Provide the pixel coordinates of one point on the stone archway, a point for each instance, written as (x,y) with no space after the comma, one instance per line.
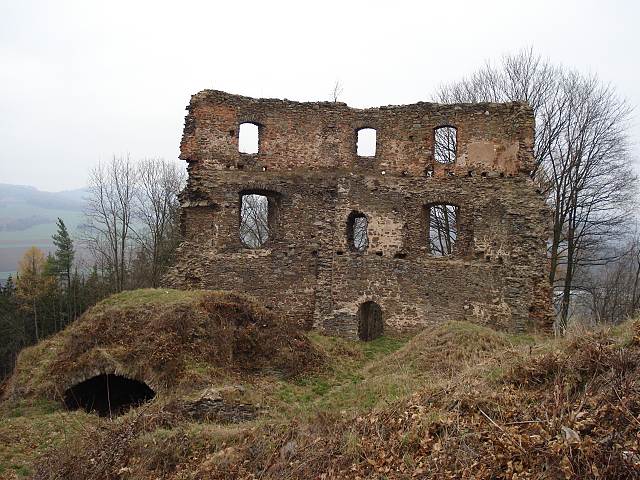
(370,321)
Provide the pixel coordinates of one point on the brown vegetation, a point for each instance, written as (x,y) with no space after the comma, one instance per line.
(456,401)
(565,411)
(167,339)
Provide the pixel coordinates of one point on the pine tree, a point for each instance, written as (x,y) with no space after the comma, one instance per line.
(64,256)
(50,266)
(9,288)
(65,252)
(12,329)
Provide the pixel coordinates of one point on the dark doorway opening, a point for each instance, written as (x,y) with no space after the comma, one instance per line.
(370,324)
(108,395)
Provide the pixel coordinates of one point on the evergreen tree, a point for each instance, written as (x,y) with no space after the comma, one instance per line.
(65,252)
(12,329)
(64,256)
(50,266)
(9,288)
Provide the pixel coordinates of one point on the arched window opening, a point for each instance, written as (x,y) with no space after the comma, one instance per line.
(445,144)
(258,210)
(366,146)
(357,231)
(442,228)
(370,323)
(108,395)
(249,138)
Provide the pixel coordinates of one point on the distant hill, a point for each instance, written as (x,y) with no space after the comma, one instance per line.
(28,217)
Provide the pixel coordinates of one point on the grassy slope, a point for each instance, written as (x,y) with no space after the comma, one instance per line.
(31,421)
(356,378)
(30,427)
(408,395)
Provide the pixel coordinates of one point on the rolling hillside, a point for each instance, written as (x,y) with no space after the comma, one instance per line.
(28,217)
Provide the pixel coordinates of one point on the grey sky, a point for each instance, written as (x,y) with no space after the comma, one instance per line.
(83,80)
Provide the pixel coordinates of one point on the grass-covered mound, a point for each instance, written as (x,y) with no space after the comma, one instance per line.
(455,401)
(552,410)
(168,339)
(448,349)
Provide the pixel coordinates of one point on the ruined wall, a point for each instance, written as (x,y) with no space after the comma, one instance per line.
(308,165)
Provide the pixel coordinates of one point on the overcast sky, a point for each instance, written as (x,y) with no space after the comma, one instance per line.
(81,81)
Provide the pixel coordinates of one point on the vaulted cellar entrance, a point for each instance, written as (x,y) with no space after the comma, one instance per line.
(370,323)
(107,395)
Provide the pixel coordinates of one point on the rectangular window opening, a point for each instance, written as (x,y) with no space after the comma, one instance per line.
(442,229)
(366,146)
(445,144)
(249,138)
(254,220)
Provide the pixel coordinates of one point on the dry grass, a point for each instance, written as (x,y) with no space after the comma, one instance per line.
(563,409)
(456,401)
(173,340)
(448,348)
(29,428)
(169,339)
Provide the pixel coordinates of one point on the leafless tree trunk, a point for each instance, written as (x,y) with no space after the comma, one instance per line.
(581,156)
(109,213)
(445,145)
(613,288)
(157,210)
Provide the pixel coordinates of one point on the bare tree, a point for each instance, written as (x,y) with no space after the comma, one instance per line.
(358,231)
(254,220)
(614,288)
(109,212)
(581,156)
(592,183)
(157,213)
(336,92)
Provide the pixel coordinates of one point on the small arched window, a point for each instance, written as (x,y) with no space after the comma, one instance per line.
(357,231)
(249,138)
(445,144)
(366,145)
(442,228)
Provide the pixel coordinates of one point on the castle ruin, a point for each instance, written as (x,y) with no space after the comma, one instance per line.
(439,221)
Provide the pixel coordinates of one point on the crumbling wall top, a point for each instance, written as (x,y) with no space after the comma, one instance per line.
(489,137)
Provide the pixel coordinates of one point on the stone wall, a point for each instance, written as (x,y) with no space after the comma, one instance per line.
(308,165)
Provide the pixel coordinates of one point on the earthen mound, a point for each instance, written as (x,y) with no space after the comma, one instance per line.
(167,340)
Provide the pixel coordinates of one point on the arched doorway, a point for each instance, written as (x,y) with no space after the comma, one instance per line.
(370,323)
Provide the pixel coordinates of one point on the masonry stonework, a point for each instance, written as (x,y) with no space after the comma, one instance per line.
(308,166)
